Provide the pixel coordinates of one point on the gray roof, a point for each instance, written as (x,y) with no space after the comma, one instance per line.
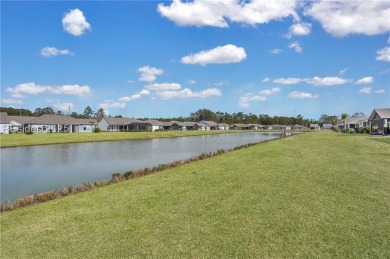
(21,119)
(353,120)
(382,113)
(4,117)
(189,123)
(151,122)
(223,125)
(54,119)
(87,121)
(209,123)
(120,121)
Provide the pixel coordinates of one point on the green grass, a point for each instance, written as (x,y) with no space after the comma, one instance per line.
(15,140)
(314,195)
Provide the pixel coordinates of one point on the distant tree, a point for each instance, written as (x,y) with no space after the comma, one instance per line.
(118,116)
(60,113)
(100,113)
(42,111)
(204,115)
(88,112)
(328,119)
(358,114)
(16,112)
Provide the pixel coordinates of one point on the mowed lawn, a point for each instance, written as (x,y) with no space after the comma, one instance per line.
(14,140)
(313,195)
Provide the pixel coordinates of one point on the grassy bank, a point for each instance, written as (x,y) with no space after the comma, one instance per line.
(319,194)
(16,140)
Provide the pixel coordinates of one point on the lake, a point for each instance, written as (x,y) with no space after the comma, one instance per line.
(35,169)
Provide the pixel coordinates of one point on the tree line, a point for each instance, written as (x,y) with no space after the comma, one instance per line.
(199,115)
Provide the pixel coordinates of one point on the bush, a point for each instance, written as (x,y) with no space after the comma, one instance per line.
(351,130)
(375,128)
(97,130)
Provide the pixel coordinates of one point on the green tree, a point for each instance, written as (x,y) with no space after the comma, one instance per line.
(100,113)
(88,112)
(344,116)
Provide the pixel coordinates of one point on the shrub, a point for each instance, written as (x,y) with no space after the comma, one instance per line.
(25,201)
(97,130)
(375,128)
(65,191)
(46,196)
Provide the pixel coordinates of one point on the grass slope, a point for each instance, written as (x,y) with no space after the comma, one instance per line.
(318,194)
(15,140)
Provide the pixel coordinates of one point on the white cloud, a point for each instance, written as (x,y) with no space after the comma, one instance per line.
(148,74)
(63,106)
(366,90)
(70,89)
(301,95)
(244,101)
(326,81)
(22,90)
(75,23)
(383,54)
(275,51)
(188,93)
(365,80)
(341,18)
(296,47)
(52,52)
(144,92)
(343,71)
(380,91)
(11,101)
(266,80)
(219,55)
(106,105)
(287,81)
(299,29)
(217,13)
(222,83)
(191,81)
(163,86)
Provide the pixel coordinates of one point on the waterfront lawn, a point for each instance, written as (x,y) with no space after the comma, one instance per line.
(313,195)
(21,139)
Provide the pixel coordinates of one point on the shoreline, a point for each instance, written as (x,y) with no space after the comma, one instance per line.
(23,140)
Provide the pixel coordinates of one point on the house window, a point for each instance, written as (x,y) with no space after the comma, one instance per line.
(85,127)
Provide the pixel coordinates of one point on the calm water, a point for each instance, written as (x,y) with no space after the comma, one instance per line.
(30,170)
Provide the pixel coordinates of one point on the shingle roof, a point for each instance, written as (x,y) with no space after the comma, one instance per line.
(54,119)
(119,121)
(21,119)
(4,117)
(210,123)
(383,113)
(353,120)
(189,123)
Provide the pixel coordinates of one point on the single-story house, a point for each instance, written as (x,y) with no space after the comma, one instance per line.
(327,126)
(380,118)
(297,127)
(281,127)
(223,126)
(314,126)
(355,122)
(147,125)
(239,126)
(49,123)
(202,125)
(4,123)
(115,124)
(257,127)
(189,125)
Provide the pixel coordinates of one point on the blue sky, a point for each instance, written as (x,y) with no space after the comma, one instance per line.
(167,59)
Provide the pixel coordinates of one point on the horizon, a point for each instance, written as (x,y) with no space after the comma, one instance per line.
(159,59)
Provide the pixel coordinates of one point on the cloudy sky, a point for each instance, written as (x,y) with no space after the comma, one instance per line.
(166,59)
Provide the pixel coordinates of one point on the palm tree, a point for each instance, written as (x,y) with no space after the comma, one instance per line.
(344,116)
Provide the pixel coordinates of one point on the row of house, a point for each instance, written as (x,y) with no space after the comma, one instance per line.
(65,123)
(45,124)
(378,117)
(123,124)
